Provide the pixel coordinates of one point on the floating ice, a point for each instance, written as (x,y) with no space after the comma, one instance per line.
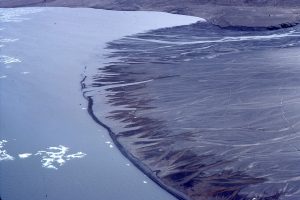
(110,144)
(3,152)
(24,155)
(8,59)
(25,72)
(75,155)
(4,76)
(55,157)
(145,182)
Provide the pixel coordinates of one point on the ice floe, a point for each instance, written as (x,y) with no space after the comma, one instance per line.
(8,59)
(24,155)
(52,157)
(55,157)
(3,153)
(109,144)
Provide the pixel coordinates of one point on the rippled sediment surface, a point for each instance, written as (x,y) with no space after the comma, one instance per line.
(212,113)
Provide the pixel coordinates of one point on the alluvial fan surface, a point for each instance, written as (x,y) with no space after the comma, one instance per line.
(214,114)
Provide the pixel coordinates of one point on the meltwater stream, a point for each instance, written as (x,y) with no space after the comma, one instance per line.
(212,113)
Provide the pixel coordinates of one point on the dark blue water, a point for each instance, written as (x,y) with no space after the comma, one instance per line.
(211,113)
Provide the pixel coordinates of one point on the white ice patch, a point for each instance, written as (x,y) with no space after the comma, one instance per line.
(16,14)
(24,155)
(8,60)
(25,72)
(3,152)
(109,144)
(75,155)
(55,157)
(4,76)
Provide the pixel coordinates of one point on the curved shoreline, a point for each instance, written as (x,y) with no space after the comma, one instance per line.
(50,71)
(269,15)
(159,124)
(150,174)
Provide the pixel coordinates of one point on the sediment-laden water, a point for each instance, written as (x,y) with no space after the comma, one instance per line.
(211,113)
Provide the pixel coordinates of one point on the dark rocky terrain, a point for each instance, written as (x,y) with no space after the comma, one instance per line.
(257,14)
(212,113)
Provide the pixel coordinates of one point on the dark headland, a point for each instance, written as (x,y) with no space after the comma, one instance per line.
(242,14)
